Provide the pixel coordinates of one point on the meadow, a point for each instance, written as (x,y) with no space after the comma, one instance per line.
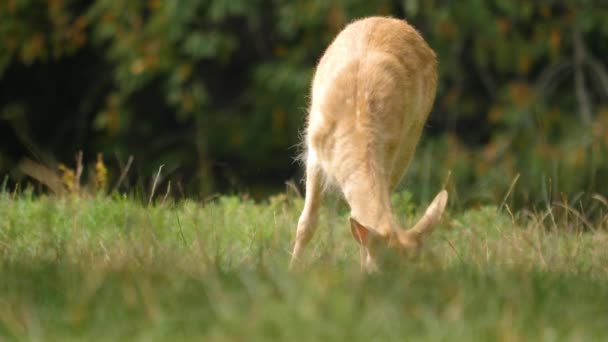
(96,267)
(211,97)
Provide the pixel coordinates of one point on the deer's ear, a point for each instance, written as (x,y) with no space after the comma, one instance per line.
(360,233)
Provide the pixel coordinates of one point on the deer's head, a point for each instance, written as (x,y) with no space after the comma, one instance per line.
(399,243)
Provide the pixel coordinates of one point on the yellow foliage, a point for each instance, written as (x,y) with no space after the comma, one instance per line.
(155,4)
(138,66)
(524,64)
(81,22)
(33,48)
(336,18)
(545,10)
(600,126)
(187,101)
(112,114)
(184,72)
(11,6)
(555,41)
(521,93)
(495,113)
(489,151)
(68,177)
(151,60)
(101,174)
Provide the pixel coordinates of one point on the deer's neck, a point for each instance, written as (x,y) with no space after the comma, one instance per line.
(369,201)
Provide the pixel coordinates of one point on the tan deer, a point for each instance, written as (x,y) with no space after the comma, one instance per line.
(371,94)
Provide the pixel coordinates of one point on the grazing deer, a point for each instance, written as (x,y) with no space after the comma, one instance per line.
(371,94)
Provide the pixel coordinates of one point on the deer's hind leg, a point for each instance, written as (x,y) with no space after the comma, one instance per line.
(307,224)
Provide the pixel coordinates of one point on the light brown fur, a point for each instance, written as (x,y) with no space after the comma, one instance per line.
(371,94)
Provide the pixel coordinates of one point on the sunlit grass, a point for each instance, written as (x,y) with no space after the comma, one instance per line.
(108,268)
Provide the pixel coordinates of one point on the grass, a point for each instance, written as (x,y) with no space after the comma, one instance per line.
(111,268)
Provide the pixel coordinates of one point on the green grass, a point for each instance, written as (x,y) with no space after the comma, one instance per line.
(108,268)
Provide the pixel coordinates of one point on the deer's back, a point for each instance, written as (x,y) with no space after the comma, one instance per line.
(373,88)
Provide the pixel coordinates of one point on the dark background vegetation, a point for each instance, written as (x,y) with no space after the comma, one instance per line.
(217,91)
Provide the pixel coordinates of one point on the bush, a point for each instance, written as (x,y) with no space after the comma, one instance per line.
(217,90)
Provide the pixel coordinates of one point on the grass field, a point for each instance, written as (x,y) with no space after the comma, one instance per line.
(111,268)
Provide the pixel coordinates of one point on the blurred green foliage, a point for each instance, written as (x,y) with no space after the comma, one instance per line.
(217,90)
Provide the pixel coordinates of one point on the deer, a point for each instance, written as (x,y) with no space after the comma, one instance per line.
(372,92)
